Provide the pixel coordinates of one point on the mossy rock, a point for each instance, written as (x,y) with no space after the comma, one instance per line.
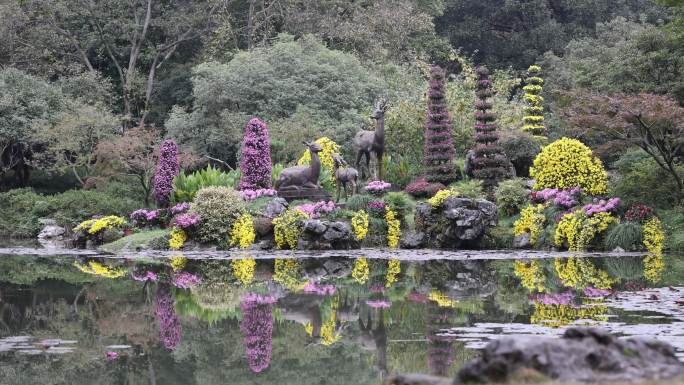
(135,242)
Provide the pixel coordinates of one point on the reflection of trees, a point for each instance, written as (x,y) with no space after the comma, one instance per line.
(440,349)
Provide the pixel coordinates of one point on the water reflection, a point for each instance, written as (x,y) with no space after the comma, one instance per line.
(303,320)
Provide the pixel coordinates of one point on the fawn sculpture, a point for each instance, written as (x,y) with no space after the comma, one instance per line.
(344,175)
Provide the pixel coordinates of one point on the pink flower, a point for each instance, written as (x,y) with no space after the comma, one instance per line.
(111,356)
(378,304)
(185,280)
(594,292)
(147,276)
(318,289)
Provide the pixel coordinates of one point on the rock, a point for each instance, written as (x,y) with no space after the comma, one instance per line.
(522,241)
(52,231)
(47,222)
(315,226)
(263,225)
(338,231)
(275,207)
(412,240)
(582,354)
(326,235)
(416,379)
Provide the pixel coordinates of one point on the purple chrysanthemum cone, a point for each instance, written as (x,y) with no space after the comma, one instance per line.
(257,328)
(169,323)
(487,160)
(256,157)
(438,150)
(167,169)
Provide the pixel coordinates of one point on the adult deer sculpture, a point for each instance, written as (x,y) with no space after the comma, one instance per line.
(372,142)
(344,175)
(299,177)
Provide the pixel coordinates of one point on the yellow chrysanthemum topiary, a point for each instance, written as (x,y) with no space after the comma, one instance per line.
(360,225)
(568,163)
(531,275)
(534,120)
(287,227)
(329,148)
(243,233)
(579,230)
(531,221)
(177,239)
(94,226)
(361,270)
(393,228)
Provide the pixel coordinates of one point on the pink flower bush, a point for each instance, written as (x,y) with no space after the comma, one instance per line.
(562,198)
(142,217)
(601,206)
(255,163)
(257,329)
(185,221)
(376,208)
(167,169)
(250,195)
(180,208)
(111,356)
(185,280)
(314,210)
(146,276)
(318,289)
(169,323)
(566,298)
(377,187)
(593,292)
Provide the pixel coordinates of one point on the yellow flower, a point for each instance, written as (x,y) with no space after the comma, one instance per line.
(329,148)
(438,199)
(287,228)
(178,262)
(288,272)
(568,163)
(441,299)
(654,236)
(580,230)
(94,226)
(531,221)
(243,270)
(393,228)
(177,239)
(360,224)
(531,275)
(97,268)
(654,265)
(579,273)
(361,270)
(243,233)
(393,270)
(556,316)
(330,333)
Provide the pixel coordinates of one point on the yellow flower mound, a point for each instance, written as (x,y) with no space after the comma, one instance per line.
(654,240)
(393,270)
(579,230)
(556,316)
(361,270)
(288,272)
(329,148)
(531,275)
(178,238)
(359,224)
(243,233)
(441,299)
(243,270)
(94,226)
(97,268)
(568,163)
(287,227)
(178,262)
(393,228)
(438,199)
(579,273)
(531,221)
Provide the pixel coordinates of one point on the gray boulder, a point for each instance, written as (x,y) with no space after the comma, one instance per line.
(412,240)
(52,231)
(582,354)
(326,235)
(275,207)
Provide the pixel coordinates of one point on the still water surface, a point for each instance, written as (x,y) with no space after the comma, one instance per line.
(90,320)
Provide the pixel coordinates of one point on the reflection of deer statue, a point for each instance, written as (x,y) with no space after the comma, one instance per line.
(372,142)
(298,177)
(378,336)
(343,175)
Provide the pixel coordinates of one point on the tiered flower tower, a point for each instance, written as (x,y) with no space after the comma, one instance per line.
(439,143)
(534,118)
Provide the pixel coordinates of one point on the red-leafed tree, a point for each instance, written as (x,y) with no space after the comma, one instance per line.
(655,123)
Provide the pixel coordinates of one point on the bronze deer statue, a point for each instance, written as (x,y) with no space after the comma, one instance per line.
(344,175)
(372,142)
(298,177)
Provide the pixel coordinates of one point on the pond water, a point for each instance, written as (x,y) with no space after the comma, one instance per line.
(84,319)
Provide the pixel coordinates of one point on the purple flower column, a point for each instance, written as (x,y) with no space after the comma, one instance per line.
(440,347)
(167,169)
(257,329)
(256,157)
(438,151)
(169,323)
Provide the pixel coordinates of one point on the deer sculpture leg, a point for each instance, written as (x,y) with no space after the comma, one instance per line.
(368,159)
(359,154)
(379,165)
(337,199)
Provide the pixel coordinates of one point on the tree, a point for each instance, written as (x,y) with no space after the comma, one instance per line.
(256,157)
(488,161)
(438,153)
(654,123)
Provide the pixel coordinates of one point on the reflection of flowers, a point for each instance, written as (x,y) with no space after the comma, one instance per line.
(580,273)
(393,270)
(378,303)
(169,323)
(360,270)
(531,275)
(319,289)
(559,315)
(257,328)
(146,276)
(654,239)
(329,335)
(593,292)
(287,272)
(97,268)
(178,262)
(653,267)
(441,299)
(243,270)
(185,280)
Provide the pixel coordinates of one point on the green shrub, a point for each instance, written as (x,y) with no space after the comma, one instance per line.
(521,149)
(186,186)
(401,203)
(501,236)
(637,170)
(218,208)
(511,195)
(626,235)
(469,188)
(22,208)
(359,202)
(398,169)
(673,221)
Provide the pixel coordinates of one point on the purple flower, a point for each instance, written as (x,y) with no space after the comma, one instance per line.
(377,186)
(169,323)
(167,169)
(593,292)
(378,304)
(249,194)
(255,163)
(601,206)
(111,356)
(180,208)
(318,289)
(257,329)
(151,215)
(314,210)
(185,221)
(566,298)
(147,276)
(185,280)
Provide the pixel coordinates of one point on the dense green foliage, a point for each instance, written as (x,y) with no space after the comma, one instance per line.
(185,186)
(218,207)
